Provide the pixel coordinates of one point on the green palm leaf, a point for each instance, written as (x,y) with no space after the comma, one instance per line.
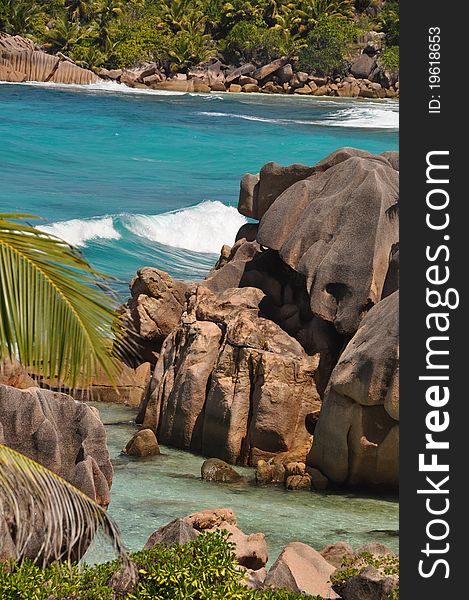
(35,501)
(54,317)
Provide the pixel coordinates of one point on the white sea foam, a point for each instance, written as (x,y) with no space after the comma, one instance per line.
(102,86)
(367,117)
(201,228)
(204,227)
(362,117)
(78,232)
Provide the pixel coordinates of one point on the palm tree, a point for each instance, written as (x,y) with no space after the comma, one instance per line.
(54,315)
(65,35)
(35,500)
(17,16)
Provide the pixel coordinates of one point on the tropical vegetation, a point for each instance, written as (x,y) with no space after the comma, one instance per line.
(203,569)
(55,314)
(181,33)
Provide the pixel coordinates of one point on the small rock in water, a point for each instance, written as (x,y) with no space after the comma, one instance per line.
(214,469)
(299,482)
(143,443)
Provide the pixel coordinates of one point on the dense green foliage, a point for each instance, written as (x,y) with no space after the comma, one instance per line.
(326,46)
(204,569)
(181,33)
(389,59)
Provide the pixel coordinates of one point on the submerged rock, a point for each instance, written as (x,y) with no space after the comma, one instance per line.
(214,469)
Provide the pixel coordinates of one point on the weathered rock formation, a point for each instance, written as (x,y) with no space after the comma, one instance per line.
(336,227)
(152,313)
(223,378)
(22,60)
(65,436)
(356,440)
(306,292)
(250,549)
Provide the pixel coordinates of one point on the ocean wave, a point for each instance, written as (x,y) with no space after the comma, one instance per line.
(369,117)
(204,227)
(102,86)
(78,232)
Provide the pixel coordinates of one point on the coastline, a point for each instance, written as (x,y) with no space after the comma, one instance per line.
(23,61)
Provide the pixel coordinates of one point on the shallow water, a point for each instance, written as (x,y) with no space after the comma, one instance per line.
(136,177)
(148,493)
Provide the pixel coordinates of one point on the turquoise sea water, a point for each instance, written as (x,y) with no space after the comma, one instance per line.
(148,493)
(108,168)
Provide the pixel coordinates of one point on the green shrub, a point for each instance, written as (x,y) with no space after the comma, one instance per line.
(388,565)
(389,59)
(204,569)
(140,38)
(249,42)
(326,46)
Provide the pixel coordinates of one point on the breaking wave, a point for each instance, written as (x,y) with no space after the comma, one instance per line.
(366,117)
(203,228)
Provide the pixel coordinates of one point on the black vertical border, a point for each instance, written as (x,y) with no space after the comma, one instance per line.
(420,133)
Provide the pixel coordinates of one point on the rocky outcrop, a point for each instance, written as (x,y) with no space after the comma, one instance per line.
(337,228)
(65,436)
(22,60)
(356,440)
(299,568)
(311,293)
(152,313)
(224,376)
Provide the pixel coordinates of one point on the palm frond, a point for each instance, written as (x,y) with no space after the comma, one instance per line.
(54,316)
(39,505)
